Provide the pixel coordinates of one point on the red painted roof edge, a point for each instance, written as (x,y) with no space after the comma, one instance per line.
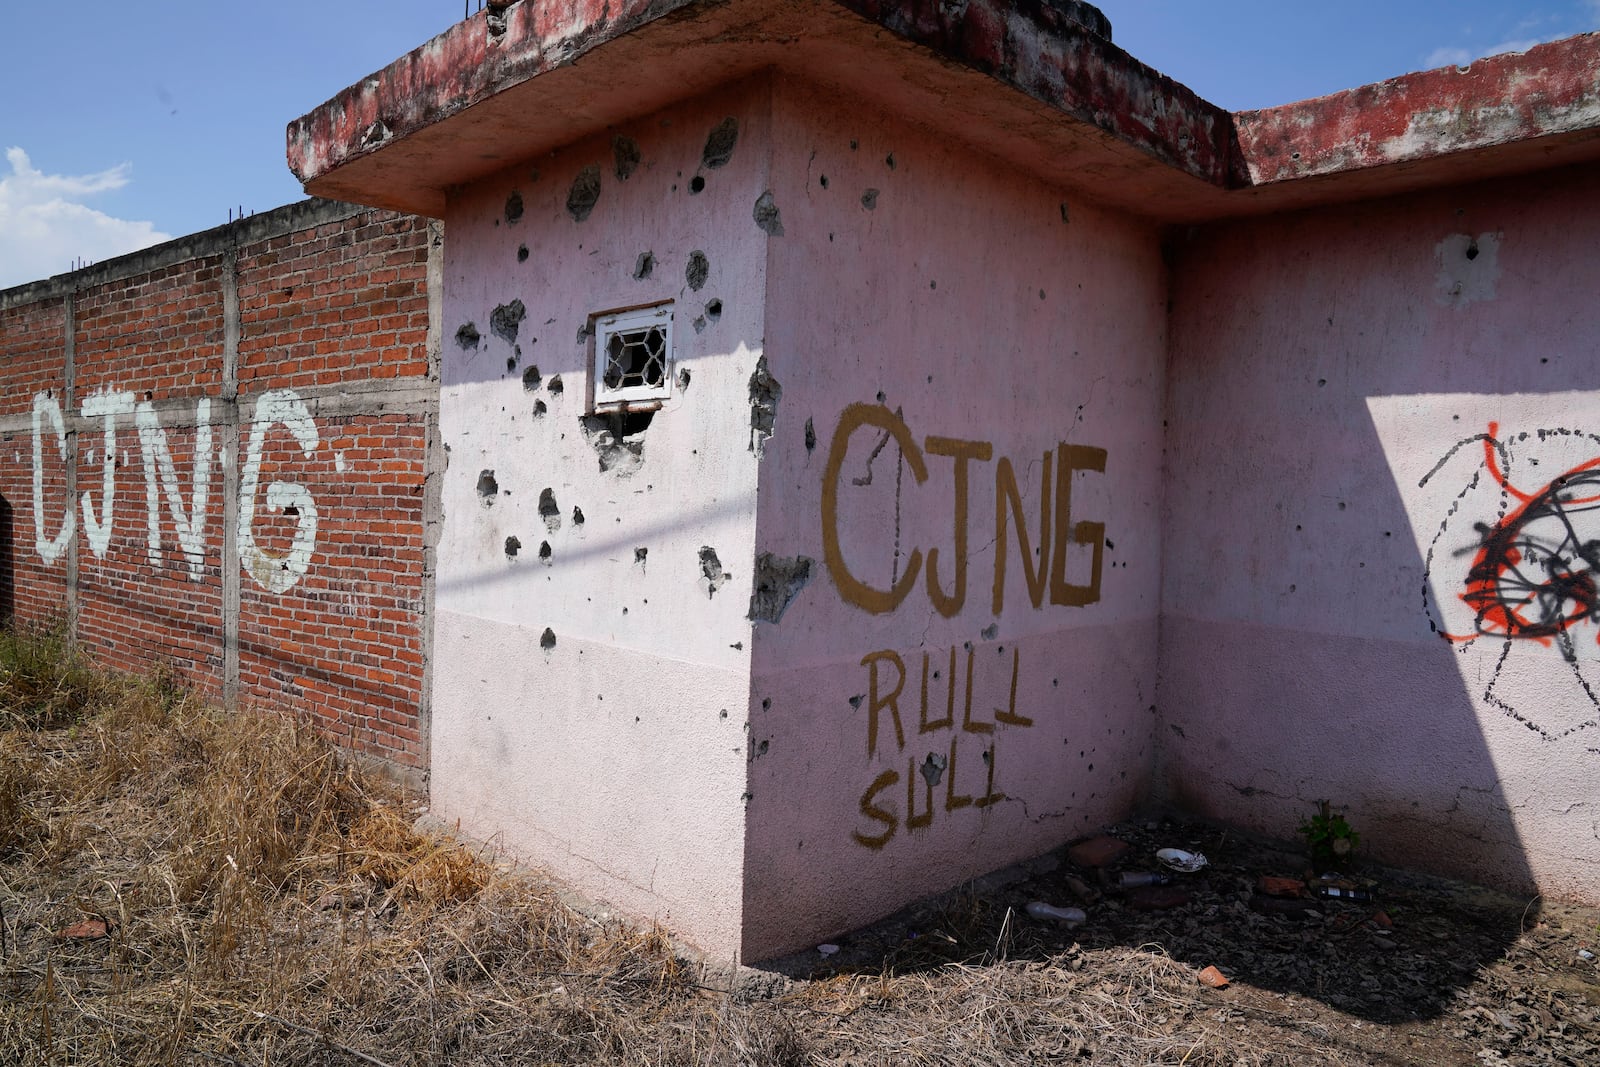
(1550,89)
(463,65)
(1026,44)
(1037,49)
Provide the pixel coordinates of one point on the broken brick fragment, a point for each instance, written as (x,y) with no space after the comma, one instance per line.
(1280,887)
(84,930)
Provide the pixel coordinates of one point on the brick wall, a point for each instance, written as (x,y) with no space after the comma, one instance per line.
(239,486)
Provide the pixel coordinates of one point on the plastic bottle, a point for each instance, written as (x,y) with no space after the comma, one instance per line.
(1042,911)
(1134,879)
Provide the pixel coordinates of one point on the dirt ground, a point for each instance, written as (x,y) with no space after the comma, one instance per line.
(1431,971)
(182,886)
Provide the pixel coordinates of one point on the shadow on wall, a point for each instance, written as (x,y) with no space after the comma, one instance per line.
(1380,546)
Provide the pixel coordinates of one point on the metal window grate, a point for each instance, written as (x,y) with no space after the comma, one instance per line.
(633,356)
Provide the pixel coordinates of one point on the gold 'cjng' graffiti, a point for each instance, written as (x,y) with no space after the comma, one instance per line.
(886,684)
(1057,530)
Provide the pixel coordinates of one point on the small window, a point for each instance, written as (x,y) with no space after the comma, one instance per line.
(632,357)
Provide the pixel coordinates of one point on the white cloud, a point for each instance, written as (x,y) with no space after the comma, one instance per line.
(44,225)
(1460,57)
(1447,57)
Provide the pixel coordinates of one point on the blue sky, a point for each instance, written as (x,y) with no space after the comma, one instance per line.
(133,122)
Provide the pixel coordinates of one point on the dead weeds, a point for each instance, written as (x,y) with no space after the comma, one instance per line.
(182,886)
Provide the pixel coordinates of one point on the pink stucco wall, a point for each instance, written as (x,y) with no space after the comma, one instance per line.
(940,303)
(591,677)
(1374,592)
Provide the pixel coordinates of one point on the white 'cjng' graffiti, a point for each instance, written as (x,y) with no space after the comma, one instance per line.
(50,548)
(276,574)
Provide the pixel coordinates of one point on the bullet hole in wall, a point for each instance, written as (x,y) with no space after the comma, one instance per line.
(644,266)
(513,207)
(697,184)
(720,144)
(683,379)
(555,385)
(889,159)
(823,181)
(625,153)
(990,632)
(467,335)
(547,640)
(522,253)
(511,364)
(699,324)
(778,580)
(640,555)
(544,551)
(530,377)
(765,392)
(539,409)
(549,511)
(507,320)
(584,194)
(1064,217)
(714,309)
(711,570)
(513,546)
(577,516)
(869,199)
(488,488)
(811,435)
(617,439)
(698,269)
(766,215)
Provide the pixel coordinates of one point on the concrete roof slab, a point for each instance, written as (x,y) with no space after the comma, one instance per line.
(1017,78)
(1020,80)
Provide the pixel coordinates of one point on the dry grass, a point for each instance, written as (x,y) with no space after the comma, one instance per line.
(265,902)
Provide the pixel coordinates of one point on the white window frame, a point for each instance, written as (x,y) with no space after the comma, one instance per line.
(606,325)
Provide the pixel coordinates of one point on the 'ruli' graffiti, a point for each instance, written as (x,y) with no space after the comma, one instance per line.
(1534,571)
(886,692)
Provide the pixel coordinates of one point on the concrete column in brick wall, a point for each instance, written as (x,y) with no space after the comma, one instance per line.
(228,410)
(68,402)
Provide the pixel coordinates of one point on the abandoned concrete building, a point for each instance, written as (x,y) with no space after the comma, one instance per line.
(766,461)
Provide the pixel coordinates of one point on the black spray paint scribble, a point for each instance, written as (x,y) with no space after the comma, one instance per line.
(1529,575)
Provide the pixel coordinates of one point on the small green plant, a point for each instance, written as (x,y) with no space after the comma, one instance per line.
(1331,838)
